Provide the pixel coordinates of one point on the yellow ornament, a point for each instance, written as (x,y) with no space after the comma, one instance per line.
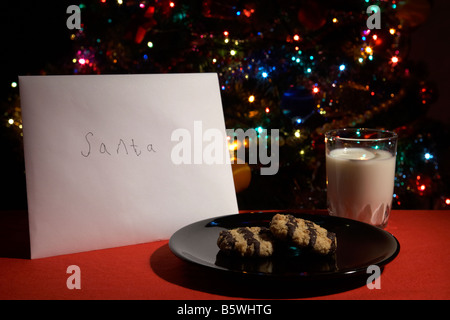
(242,175)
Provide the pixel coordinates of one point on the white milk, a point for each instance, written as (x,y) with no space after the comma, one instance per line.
(360,184)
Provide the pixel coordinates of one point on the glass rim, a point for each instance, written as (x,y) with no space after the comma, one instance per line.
(390,135)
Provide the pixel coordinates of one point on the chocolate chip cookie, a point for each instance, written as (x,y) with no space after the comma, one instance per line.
(303,234)
(247,241)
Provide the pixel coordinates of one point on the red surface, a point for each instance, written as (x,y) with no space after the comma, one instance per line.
(151,271)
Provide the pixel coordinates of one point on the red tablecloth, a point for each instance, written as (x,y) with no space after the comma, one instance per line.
(151,271)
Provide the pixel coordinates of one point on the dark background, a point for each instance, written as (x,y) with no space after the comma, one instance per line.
(34,33)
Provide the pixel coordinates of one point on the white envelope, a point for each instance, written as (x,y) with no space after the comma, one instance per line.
(98,159)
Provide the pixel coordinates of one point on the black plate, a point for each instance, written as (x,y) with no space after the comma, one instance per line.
(359,245)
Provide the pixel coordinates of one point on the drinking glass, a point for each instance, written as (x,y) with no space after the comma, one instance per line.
(360,165)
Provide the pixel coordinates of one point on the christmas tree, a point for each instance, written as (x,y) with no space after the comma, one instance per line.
(303,67)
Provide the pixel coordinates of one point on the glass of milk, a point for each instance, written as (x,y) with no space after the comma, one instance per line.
(360,174)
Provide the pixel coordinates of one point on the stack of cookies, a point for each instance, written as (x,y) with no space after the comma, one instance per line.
(284,229)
